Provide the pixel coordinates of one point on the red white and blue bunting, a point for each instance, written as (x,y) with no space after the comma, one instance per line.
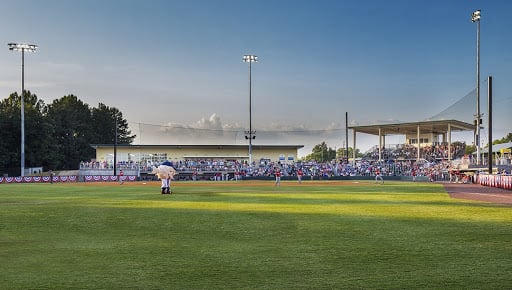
(71,178)
(37,179)
(106,178)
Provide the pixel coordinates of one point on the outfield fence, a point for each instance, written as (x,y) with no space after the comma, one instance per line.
(65,178)
(38,179)
(491,180)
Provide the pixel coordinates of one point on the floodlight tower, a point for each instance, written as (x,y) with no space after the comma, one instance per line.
(475,17)
(250,59)
(31,48)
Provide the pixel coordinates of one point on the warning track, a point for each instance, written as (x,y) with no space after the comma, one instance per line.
(479,192)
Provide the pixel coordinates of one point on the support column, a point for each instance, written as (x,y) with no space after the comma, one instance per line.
(384,141)
(380,145)
(418,143)
(354,148)
(449,142)
(489,124)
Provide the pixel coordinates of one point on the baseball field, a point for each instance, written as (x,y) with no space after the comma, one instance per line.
(251,235)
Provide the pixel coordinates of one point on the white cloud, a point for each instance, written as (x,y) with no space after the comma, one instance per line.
(212,130)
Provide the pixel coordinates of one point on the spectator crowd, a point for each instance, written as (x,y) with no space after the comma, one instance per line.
(436,151)
(396,160)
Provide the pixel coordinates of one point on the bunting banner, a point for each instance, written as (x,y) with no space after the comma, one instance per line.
(70,178)
(108,178)
(38,179)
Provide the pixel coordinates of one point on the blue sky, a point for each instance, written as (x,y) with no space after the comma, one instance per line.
(180,62)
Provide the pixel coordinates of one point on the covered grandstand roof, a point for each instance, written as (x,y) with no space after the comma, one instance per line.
(435,127)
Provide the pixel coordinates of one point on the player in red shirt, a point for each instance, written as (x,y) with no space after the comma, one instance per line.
(121,177)
(299,175)
(278,177)
(378,176)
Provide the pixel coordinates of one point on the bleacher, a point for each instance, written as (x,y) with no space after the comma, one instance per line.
(431,153)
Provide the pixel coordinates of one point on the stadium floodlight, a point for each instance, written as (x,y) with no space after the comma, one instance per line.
(475,17)
(31,48)
(250,59)
(22,47)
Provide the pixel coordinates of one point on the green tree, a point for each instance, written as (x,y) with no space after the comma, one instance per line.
(107,118)
(505,139)
(10,128)
(59,135)
(342,153)
(321,153)
(37,145)
(73,131)
(470,149)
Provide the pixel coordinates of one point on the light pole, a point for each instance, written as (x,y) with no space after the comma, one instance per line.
(22,47)
(115,146)
(475,17)
(250,59)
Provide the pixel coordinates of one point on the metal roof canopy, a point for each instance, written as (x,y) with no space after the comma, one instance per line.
(435,127)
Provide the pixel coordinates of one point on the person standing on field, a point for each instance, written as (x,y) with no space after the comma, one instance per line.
(51,176)
(278,177)
(121,177)
(166,185)
(299,175)
(378,176)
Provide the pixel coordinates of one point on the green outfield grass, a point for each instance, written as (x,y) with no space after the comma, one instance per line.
(251,236)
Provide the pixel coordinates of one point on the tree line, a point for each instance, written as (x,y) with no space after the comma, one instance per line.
(322,153)
(470,149)
(58,136)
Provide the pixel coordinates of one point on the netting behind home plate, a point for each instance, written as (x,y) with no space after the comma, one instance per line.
(462,110)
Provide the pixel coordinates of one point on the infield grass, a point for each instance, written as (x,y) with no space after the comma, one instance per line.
(251,235)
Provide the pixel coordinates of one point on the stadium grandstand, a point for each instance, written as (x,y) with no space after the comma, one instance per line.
(428,140)
(221,152)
